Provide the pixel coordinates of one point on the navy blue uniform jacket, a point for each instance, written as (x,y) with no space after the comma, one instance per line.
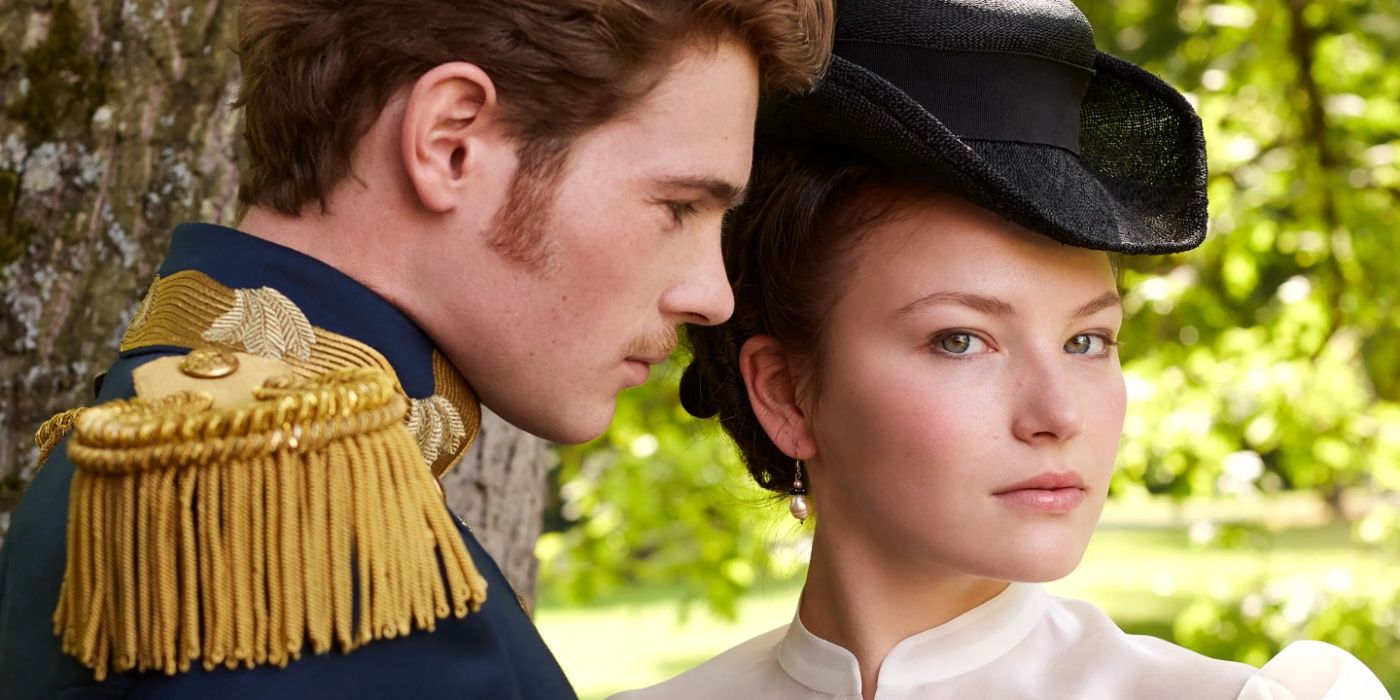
(495,653)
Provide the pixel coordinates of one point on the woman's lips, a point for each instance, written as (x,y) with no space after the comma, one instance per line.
(1048,492)
(1060,500)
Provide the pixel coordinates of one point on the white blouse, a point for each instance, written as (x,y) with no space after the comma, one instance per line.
(1023,643)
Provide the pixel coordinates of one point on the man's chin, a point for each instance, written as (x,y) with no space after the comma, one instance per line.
(571,428)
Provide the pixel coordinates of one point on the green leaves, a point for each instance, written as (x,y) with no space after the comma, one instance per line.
(663,501)
(1283,340)
(1253,627)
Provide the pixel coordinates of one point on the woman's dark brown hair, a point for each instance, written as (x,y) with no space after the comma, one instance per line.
(787,250)
(317,73)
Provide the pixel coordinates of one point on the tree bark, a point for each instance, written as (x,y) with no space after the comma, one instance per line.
(116,124)
(498,489)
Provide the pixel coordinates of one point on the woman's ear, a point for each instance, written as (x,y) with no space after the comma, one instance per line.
(449,116)
(772,386)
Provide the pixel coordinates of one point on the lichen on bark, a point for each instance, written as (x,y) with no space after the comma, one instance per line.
(96,142)
(66,81)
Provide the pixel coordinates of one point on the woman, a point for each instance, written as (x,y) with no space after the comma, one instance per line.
(922,354)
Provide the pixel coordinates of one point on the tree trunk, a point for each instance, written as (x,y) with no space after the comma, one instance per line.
(498,489)
(115,125)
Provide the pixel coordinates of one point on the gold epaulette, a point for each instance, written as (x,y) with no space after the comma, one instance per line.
(190,309)
(54,430)
(239,534)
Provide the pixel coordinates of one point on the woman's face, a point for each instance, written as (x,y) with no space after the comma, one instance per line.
(970,398)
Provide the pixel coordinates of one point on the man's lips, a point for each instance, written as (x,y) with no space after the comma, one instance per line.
(640,366)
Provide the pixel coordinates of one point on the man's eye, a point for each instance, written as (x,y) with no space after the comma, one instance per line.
(680,211)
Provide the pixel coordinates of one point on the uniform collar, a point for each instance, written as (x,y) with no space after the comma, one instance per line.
(968,641)
(330,299)
(224,288)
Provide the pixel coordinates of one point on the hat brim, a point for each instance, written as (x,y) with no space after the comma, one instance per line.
(1137,185)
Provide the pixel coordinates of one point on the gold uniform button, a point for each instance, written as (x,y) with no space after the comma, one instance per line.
(209,363)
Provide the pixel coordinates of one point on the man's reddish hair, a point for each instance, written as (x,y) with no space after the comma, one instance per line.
(317,73)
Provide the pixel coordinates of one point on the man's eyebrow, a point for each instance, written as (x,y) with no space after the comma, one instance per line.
(1099,303)
(976,302)
(722,191)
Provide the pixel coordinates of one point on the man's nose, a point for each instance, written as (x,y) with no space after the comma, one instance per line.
(703,296)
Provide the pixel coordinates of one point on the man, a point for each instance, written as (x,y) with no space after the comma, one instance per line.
(444,201)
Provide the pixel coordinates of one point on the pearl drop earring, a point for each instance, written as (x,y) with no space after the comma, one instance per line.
(798,506)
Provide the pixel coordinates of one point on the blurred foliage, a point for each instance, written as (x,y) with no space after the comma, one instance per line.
(1267,360)
(1254,627)
(662,500)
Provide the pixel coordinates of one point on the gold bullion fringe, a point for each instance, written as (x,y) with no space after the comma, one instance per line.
(239,537)
(54,430)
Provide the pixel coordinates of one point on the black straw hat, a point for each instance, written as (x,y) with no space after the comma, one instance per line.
(1008,104)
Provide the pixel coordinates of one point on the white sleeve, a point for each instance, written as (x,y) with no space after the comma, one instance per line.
(1314,671)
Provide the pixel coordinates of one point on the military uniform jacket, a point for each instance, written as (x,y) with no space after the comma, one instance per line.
(220,287)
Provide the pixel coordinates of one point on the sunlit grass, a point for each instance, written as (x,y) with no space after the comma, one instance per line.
(1142,573)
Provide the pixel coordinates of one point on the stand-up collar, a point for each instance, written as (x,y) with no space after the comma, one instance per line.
(969,641)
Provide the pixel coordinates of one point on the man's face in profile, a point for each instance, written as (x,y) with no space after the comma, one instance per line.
(629,248)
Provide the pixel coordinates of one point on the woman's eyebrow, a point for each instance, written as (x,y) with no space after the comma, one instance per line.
(1099,303)
(987,305)
(993,306)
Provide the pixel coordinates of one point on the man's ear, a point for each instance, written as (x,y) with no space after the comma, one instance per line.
(450,113)
(772,386)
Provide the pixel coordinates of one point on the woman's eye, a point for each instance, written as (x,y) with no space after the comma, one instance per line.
(959,343)
(1089,344)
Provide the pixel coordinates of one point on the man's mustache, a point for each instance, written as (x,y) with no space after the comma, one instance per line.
(659,345)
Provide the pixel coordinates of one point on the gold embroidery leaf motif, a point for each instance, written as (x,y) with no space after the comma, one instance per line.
(143,309)
(266,323)
(436,426)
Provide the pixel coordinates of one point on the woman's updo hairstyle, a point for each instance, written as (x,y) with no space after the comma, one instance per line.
(787,250)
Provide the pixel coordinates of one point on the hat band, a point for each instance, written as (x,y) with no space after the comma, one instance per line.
(983,95)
